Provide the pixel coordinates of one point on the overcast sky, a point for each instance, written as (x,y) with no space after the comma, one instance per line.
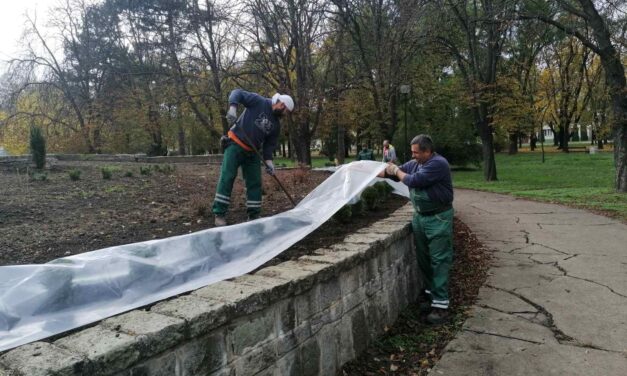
(12,22)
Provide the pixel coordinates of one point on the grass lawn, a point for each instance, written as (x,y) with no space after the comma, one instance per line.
(576,179)
(316,161)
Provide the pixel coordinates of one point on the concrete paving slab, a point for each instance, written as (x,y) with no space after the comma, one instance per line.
(555,301)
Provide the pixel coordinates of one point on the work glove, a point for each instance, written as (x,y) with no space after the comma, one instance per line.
(231,114)
(269,167)
(391,169)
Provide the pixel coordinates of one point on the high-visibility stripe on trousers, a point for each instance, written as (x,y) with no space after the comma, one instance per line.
(235,157)
(433,237)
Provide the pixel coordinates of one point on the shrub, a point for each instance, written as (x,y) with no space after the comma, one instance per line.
(144,170)
(384,189)
(370,196)
(38,147)
(344,214)
(200,205)
(39,176)
(107,172)
(74,174)
(164,169)
(128,174)
(358,208)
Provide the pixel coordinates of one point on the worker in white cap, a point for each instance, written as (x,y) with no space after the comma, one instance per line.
(257,128)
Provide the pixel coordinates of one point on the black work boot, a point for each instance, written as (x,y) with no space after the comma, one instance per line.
(424,302)
(438,316)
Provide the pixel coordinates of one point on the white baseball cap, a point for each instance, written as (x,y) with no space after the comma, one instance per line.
(284,98)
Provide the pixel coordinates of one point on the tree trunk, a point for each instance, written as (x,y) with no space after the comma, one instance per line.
(513,143)
(617,84)
(181,140)
(487,145)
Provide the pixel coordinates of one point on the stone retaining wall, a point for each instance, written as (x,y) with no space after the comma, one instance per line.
(303,317)
(22,161)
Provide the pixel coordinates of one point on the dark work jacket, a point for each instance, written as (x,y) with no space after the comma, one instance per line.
(257,125)
(433,177)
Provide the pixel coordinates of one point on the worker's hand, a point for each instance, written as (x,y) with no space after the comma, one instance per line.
(231,115)
(391,169)
(270,167)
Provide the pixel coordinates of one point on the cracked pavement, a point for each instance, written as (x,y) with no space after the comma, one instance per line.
(555,302)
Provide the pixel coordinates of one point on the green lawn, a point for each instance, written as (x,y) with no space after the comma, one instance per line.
(577,179)
(315,161)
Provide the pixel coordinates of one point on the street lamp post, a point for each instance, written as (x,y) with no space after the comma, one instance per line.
(405,91)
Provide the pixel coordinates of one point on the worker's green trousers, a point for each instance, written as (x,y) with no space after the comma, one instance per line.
(433,236)
(234,157)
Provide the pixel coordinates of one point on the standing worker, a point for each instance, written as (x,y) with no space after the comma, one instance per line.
(428,177)
(365,154)
(259,125)
(389,152)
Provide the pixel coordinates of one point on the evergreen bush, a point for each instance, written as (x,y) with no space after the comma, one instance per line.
(107,172)
(371,199)
(74,174)
(344,214)
(358,208)
(38,147)
(144,170)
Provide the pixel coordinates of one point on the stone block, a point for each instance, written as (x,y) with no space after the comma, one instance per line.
(354,299)
(255,361)
(286,343)
(303,332)
(329,293)
(310,358)
(199,356)
(203,355)
(392,232)
(301,279)
(7,372)
(371,239)
(306,305)
(201,315)
(164,365)
(326,317)
(360,250)
(342,259)
(346,350)
(351,279)
(247,332)
(107,350)
(359,331)
(155,332)
(244,298)
(286,312)
(328,344)
(275,289)
(41,358)
(323,270)
(288,365)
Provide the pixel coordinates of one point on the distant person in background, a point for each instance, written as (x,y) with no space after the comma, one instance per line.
(365,154)
(389,153)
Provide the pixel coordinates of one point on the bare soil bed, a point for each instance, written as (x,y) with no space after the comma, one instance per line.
(44,220)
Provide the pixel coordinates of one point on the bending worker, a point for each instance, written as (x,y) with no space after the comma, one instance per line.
(428,177)
(258,127)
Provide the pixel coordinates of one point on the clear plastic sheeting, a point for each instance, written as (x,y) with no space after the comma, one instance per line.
(38,301)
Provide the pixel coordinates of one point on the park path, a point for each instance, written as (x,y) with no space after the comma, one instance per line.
(555,301)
